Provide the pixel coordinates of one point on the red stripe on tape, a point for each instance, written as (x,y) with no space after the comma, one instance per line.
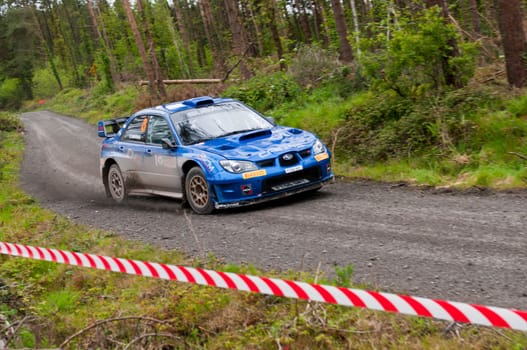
(299,291)
(493,317)
(252,286)
(153,271)
(355,300)
(53,256)
(120,265)
(385,303)
(170,273)
(453,311)
(230,283)
(328,298)
(417,306)
(188,275)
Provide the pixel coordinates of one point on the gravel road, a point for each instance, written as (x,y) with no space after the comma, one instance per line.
(463,246)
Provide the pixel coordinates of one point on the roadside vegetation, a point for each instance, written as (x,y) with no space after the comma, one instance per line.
(46,305)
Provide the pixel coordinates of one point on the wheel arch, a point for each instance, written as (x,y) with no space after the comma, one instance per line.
(107,164)
(189,164)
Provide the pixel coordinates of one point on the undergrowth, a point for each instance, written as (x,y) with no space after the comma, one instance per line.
(46,305)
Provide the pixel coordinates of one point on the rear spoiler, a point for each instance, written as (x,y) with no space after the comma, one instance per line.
(108,128)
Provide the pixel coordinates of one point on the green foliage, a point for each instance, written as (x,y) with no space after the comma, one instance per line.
(265,92)
(344,275)
(45,84)
(411,61)
(11,94)
(518,106)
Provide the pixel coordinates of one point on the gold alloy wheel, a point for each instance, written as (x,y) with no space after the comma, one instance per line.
(199,191)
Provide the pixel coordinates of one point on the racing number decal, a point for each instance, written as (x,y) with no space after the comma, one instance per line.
(256,173)
(143,126)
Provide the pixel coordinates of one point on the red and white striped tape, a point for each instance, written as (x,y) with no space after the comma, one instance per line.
(404,304)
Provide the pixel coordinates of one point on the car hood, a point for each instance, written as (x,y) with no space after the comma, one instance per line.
(259,145)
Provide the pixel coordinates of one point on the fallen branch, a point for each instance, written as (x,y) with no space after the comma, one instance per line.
(142,336)
(519,155)
(108,320)
(184,81)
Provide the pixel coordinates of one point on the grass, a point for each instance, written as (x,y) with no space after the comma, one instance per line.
(51,302)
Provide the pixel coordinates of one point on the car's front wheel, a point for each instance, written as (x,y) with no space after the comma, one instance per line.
(115,185)
(197,192)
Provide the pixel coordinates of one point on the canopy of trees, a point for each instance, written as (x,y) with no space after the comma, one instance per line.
(401,44)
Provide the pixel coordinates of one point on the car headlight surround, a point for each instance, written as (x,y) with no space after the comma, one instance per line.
(237,166)
(318,147)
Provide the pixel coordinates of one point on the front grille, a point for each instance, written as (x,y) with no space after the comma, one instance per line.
(288,162)
(305,153)
(291,180)
(266,163)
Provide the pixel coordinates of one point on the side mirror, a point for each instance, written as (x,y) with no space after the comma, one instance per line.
(271,120)
(166,143)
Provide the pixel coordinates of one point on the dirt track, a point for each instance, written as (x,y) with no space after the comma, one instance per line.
(469,247)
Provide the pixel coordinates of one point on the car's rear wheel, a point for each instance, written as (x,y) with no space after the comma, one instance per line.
(198,192)
(115,185)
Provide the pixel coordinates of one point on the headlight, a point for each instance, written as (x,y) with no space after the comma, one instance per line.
(237,166)
(318,147)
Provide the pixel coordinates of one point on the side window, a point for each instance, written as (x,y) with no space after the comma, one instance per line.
(158,129)
(136,130)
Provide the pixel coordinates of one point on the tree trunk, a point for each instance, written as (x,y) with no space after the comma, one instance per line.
(346,54)
(510,17)
(302,18)
(151,48)
(474,14)
(217,54)
(451,74)
(108,48)
(49,53)
(141,47)
(181,25)
(356,25)
(321,23)
(239,38)
(276,34)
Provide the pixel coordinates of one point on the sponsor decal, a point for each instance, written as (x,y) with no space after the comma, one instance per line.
(293,169)
(321,156)
(256,173)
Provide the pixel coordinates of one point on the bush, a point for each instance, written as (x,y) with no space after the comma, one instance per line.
(11,94)
(390,126)
(313,65)
(8,122)
(266,92)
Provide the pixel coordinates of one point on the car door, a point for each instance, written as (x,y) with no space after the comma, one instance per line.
(160,171)
(131,148)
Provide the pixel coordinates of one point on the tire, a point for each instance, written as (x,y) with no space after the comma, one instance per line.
(198,192)
(115,185)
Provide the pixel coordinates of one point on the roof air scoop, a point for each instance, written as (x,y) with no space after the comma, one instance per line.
(199,101)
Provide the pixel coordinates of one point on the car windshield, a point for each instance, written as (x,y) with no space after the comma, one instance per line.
(206,123)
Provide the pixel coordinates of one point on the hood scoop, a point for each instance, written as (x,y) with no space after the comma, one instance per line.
(225,147)
(257,134)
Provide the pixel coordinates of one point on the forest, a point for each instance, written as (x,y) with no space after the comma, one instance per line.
(407,45)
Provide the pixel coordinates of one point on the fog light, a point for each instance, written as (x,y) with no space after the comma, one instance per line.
(246,189)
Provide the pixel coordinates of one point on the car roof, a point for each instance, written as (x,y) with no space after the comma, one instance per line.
(192,103)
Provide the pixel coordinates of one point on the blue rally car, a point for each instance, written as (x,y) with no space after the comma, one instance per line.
(213,153)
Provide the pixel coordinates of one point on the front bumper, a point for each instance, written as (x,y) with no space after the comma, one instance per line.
(277,195)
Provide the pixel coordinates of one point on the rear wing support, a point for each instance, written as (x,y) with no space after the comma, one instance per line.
(108,128)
